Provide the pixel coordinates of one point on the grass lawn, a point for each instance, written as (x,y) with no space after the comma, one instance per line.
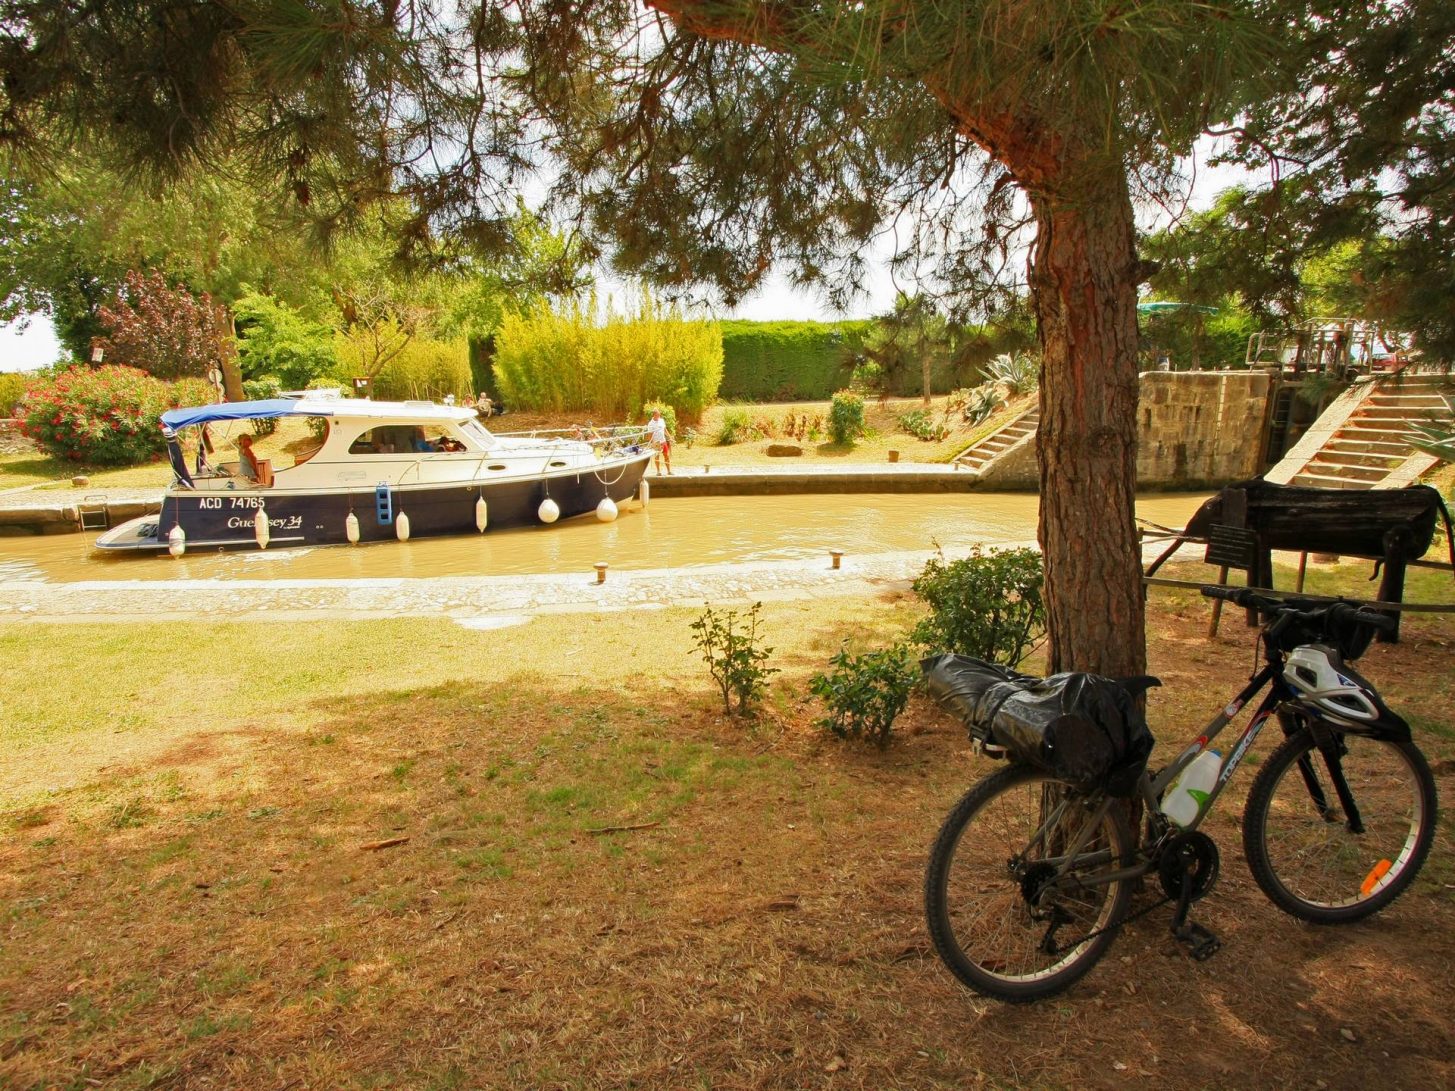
(405,854)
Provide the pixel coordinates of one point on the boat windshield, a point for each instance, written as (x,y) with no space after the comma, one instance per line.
(479,433)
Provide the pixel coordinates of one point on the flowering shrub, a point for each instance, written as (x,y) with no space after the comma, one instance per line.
(105,416)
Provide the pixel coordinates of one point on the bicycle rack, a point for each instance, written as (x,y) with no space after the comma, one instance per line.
(94,512)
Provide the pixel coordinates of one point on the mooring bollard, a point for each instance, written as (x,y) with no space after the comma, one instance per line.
(837,555)
(600,571)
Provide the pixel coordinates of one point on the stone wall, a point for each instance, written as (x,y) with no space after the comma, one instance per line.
(1194,429)
(1198,428)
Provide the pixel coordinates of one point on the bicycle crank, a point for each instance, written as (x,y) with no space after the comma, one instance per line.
(1188,868)
(1192,856)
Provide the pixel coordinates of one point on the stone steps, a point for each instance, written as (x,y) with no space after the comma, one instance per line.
(980,455)
(1374,442)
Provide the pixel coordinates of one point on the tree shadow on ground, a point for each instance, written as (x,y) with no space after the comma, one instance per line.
(549,882)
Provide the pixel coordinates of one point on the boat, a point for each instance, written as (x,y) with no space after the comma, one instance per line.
(380,471)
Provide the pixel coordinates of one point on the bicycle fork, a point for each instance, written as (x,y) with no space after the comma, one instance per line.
(1332,751)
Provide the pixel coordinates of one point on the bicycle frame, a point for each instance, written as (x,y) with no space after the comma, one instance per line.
(1150,789)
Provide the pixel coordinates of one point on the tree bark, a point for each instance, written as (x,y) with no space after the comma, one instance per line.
(1083,283)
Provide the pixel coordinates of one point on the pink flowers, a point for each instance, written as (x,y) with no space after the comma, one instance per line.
(105,416)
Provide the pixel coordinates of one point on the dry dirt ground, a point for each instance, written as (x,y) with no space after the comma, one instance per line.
(524,881)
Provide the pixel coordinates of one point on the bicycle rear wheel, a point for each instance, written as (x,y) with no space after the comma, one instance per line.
(1007,914)
(1296,835)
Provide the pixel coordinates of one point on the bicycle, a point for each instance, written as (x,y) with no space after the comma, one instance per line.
(1031,875)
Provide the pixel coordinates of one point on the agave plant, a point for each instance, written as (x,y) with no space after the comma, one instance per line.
(1018,372)
(981,402)
(1438,443)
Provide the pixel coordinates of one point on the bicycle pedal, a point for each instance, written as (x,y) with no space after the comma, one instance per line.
(1200,943)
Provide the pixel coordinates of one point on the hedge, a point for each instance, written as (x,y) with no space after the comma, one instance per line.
(786,361)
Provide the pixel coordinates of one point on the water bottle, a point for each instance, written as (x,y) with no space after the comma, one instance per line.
(1183,801)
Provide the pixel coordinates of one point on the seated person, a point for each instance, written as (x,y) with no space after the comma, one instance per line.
(448,443)
(421,441)
(247,461)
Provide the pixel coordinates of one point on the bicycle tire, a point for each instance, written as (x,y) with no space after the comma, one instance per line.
(979,914)
(1306,860)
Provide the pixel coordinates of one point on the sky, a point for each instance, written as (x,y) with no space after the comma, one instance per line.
(35,345)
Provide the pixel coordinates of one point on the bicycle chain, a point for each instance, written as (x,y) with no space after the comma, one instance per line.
(1111,927)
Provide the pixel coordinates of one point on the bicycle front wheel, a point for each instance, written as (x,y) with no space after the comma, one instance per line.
(1297,835)
(1009,913)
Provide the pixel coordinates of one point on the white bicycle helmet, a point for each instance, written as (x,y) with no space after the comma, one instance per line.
(1325,685)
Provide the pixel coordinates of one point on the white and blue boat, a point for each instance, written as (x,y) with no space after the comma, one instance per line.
(380,471)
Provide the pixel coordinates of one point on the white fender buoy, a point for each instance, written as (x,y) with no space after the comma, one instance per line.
(401,526)
(482,515)
(646,493)
(549,511)
(351,529)
(606,510)
(260,528)
(177,541)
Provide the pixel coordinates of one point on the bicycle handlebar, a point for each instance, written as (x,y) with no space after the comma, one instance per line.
(1292,608)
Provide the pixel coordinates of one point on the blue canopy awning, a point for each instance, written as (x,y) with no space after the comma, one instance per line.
(272,407)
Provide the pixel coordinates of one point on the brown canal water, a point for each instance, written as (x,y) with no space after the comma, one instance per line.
(682,532)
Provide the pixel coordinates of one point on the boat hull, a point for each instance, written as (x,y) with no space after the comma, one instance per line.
(227,519)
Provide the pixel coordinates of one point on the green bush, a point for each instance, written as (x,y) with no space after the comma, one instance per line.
(987,605)
(428,370)
(107,416)
(554,362)
(276,340)
(921,424)
(728,641)
(846,417)
(736,426)
(258,390)
(864,693)
(12,389)
(786,361)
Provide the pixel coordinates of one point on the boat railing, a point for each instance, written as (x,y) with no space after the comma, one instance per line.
(604,439)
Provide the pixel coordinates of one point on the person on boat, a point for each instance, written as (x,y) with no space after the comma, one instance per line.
(421,441)
(660,439)
(247,460)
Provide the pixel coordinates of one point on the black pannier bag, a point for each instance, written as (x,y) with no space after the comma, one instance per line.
(1078,727)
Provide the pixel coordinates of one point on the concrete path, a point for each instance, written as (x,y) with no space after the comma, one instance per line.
(478,601)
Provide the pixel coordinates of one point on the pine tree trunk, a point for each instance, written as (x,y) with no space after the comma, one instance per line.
(1084,288)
